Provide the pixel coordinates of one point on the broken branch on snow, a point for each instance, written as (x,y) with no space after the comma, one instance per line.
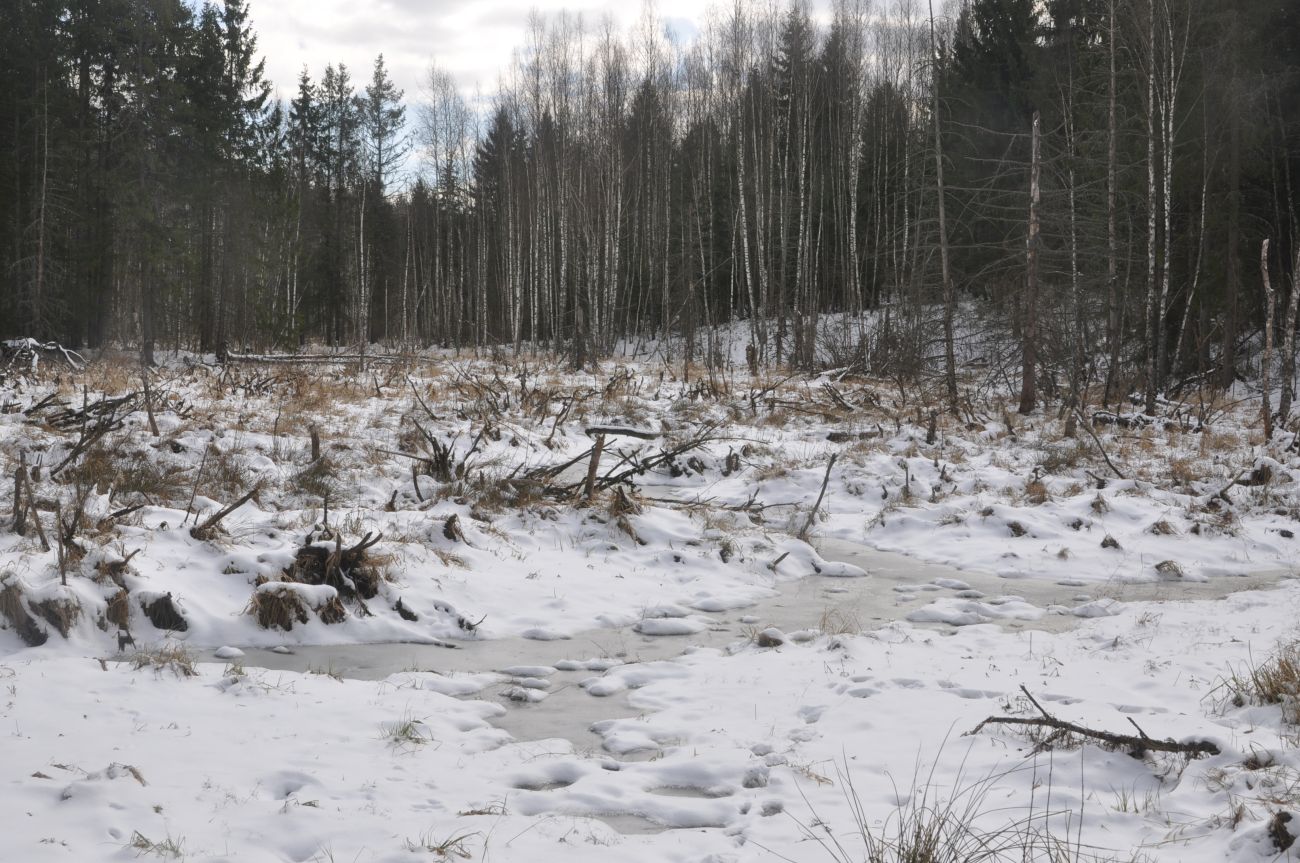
(1136,746)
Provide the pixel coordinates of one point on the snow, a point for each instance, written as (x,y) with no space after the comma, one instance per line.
(673,678)
(735,736)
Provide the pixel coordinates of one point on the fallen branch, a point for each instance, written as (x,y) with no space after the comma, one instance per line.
(1222,494)
(1136,746)
(617,474)
(1087,426)
(96,420)
(108,520)
(594,431)
(29,501)
(807,525)
(205,530)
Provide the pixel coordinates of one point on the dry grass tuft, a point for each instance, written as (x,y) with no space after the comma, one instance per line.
(139,475)
(621,503)
(407,733)
(453,847)
(835,621)
(176,658)
(1183,472)
(1036,492)
(225,476)
(119,609)
(165,848)
(277,609)
(449,559)
(1276,680)
(61,613)
(332,611)
(1063,458)
(1169,569)
(317,480)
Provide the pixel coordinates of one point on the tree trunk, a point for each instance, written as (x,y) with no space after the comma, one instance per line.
(1228,361)
(1029,343)
(1152,328)
(949,298)
(1288,341)
(1266,363)
(1112,232)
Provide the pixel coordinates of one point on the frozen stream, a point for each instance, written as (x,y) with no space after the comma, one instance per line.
(896,586)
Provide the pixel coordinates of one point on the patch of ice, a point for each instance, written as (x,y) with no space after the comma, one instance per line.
(539,633)
(666,611)
(669,626)
(528,670)
(715,604)
(458,685)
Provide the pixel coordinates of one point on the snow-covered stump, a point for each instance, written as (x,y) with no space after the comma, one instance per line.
(350,571)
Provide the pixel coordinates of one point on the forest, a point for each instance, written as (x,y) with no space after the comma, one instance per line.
(841,430)
(1093,178)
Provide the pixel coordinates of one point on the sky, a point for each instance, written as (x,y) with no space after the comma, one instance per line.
(471,39)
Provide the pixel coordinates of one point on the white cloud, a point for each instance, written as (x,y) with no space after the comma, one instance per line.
(474,40)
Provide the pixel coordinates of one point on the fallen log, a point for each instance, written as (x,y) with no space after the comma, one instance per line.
(613,431)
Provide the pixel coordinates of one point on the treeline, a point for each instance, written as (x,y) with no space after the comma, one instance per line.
(773,169)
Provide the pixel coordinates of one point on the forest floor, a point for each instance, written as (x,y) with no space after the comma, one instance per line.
(766,626)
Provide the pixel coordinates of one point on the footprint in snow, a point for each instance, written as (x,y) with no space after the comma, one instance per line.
(908,683)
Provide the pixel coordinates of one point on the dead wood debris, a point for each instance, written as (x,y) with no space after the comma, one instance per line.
(350,571)
(1137,746)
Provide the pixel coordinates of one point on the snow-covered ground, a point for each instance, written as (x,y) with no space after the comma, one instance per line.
(1037,559)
